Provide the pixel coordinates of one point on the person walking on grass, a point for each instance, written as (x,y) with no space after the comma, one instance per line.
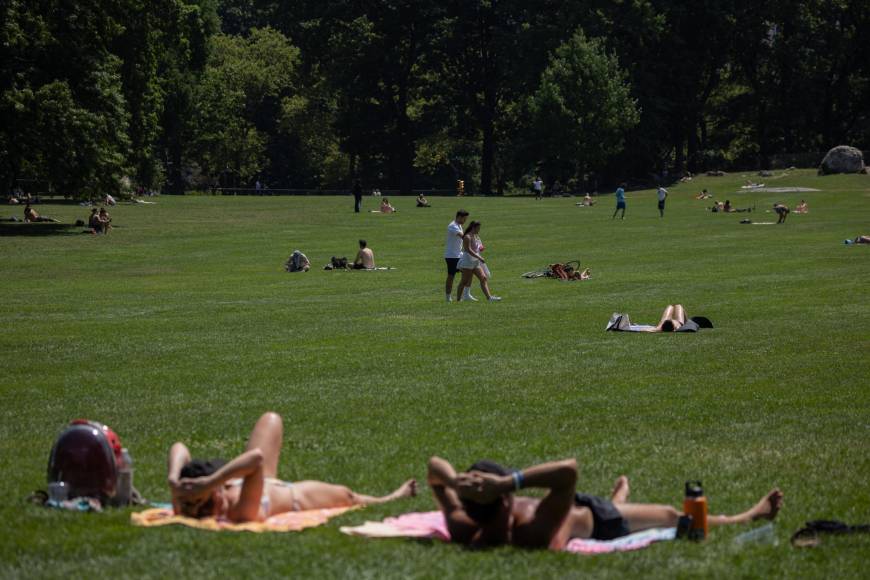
(481,509)
(620,201)
(538,187)
(357,196)
(471,265)
(453,250)
(662,194)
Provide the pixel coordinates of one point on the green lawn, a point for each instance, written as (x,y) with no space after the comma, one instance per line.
(181,324)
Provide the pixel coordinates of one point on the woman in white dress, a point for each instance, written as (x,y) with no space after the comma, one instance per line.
(470,264)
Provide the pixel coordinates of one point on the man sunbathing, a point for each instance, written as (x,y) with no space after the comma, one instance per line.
(365,258)
(246,489)
(480,507)
(32,216)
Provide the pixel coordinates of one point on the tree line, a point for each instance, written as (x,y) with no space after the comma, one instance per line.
(180,94)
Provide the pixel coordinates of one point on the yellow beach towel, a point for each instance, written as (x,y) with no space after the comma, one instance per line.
(286,522)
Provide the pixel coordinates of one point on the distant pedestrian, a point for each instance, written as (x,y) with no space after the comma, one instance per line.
(782,212)
(620,201)
(357,196)
(662,195)
(538,187)
(453,250)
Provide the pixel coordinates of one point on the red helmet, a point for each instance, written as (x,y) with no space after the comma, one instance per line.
(86,456)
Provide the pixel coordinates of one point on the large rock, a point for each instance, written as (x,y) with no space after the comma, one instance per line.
(842,159)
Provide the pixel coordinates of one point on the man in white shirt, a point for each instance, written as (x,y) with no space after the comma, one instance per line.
(453,250)
(538,186)
(663,194)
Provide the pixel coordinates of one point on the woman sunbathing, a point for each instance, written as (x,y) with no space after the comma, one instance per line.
(386,207)
(481,509)
(247,489)
(802,207)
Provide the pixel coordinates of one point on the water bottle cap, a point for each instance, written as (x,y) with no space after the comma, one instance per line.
(694,489)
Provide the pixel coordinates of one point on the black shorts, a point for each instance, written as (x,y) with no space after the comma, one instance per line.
(451,266)
(620,205)
(662,204)
(608,523)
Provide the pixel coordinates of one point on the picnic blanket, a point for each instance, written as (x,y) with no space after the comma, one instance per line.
(286,522)
(431,525)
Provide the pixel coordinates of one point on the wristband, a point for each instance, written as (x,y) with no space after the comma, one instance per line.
(519,480)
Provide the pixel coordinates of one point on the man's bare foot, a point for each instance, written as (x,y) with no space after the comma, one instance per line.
(768,506)
(620,490)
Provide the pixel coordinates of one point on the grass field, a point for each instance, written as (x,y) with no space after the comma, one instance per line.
(181,324)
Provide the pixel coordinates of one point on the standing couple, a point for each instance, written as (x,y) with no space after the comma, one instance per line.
(462,252)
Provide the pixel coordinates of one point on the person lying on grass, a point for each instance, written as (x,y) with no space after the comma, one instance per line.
(32,216)
(247,489)
(480,507)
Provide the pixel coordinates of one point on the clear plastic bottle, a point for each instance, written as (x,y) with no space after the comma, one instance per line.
(125,479)
(761,535)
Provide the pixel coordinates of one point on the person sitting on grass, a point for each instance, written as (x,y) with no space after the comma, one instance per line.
(386,207)
(105,220)
(481,510)
(802,207)
(94,222)
(422,201)
(247,489)
(782,211)
(704,195)
(365,258)
(588,201)
(31,216)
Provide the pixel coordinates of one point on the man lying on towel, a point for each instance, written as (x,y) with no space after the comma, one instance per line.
(481,509)
(247,489)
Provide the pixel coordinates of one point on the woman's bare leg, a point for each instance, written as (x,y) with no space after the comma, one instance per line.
(680,314)
(465,282)
(667,315)
(267,436)
(484,283)
(318,495)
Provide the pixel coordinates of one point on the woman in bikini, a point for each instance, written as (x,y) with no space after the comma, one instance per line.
(247,489)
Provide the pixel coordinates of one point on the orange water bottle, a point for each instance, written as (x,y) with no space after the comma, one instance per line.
(695,505)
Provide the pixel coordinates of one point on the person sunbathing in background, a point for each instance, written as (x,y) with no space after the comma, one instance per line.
(386,207)
(246,489)
(422,201)
(30,215)
(480,507)
(801,207)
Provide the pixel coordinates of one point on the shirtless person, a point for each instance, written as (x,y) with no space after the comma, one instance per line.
(365,258)
(481,510)
(246,489)
(30,215)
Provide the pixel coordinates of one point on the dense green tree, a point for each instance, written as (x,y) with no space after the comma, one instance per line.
(63,110)
(581,111)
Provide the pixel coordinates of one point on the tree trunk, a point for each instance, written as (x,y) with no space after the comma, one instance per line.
(487,156)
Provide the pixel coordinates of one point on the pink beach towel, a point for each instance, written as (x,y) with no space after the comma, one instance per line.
(431,525)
